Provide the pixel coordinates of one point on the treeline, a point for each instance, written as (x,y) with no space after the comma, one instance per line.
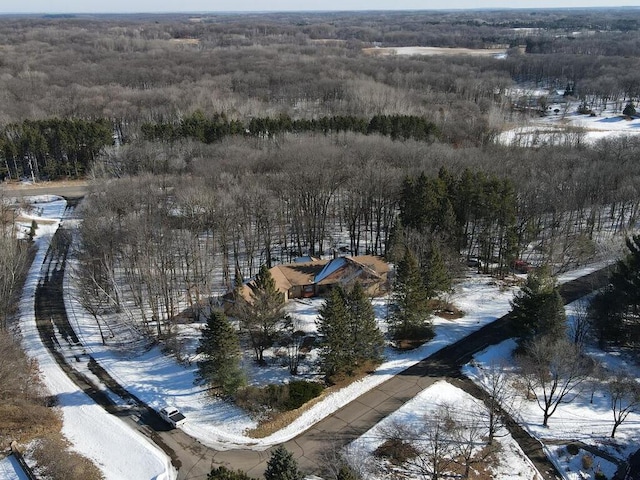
(137,71)
(470,213)
(52,148)
(215,128)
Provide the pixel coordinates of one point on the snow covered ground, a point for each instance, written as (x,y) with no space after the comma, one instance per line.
(512,463)
(586,419)
(117,450)
(562,125)
(160,380)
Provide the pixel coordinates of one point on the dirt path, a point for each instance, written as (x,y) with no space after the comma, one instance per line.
(194,461)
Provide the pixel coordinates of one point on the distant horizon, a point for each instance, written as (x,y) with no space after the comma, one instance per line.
(203,7)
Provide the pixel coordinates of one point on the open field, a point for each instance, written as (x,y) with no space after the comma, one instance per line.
(481,52)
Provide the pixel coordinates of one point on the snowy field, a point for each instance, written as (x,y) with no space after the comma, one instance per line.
(408,51)
(562,125)
(160,380)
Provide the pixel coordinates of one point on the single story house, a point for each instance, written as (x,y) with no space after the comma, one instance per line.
(316,277)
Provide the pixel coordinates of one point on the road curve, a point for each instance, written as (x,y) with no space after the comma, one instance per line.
(194,461)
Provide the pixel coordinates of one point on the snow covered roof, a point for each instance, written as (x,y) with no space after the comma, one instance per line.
(330,268)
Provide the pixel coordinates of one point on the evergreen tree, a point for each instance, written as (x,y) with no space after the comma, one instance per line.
(435,275)
(223,473)
(615,311)
(409,318)
(346,473)
(220,350)
(629,110)
(351,338)
(367,342)
(282,466)
(538,310)
(262,314)
(333,327)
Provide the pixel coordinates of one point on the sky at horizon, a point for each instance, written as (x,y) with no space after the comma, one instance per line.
(208,6)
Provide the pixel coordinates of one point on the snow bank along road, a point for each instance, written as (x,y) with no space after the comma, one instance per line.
(194,461)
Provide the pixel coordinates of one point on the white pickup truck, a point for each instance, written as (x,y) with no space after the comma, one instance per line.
(173,416)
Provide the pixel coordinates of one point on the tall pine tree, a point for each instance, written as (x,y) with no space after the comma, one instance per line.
(538,310)
(333,326)
(282,466)
(219,349)
(435,275)
(366,339)
(262,315)
(351,337)
(615,311)
(409,316)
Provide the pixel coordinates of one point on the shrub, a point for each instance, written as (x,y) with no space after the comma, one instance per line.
(573,449)
(223,473)
(587,462)
(396,450)
(278,397)
(56,460)
(600,475)
(300,392)
(584,109)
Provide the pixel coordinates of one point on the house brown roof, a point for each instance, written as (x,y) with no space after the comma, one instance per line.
(300,273)
(289,275)
(377,264)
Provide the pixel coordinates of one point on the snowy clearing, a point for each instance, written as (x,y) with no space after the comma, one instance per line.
(483,52)
(562,125)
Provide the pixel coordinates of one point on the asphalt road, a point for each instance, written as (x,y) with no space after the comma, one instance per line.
(67,189)
(194,461)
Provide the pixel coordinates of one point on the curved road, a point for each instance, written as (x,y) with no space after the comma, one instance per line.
(194,461)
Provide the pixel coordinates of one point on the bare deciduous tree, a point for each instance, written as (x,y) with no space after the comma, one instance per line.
(624,394)
(554,370)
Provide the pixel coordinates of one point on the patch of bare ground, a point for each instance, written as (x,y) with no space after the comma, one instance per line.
(184,41)
(56,460)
